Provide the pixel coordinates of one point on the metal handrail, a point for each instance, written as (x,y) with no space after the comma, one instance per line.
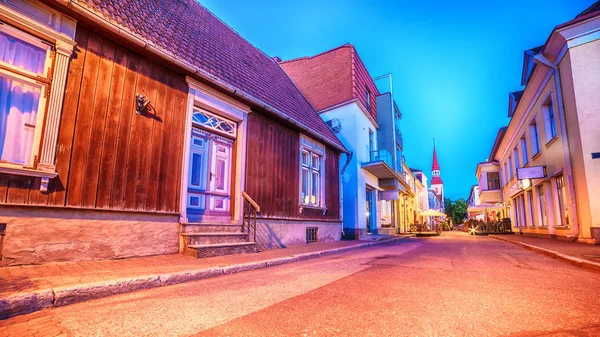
(251,210)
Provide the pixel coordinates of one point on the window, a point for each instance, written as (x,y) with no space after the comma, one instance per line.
(535,141)
(506,178)
(493,180)
(562,200)
(371,146)
(543,206)
(312,167)
(368,99)
(510,164)
(25,61)
(549,120)
(524,154)
(530,199)
(30,66)
(516,158)
(519,204)
(398,158)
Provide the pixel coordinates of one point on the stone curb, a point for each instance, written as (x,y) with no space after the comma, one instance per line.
(31,301)
(568,258)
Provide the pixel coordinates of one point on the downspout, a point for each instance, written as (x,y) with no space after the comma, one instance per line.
(541,60)
(349,156)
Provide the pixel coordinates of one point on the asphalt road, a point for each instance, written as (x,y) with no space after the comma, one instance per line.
(454,285)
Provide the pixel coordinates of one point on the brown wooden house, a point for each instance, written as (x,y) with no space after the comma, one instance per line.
(132,128)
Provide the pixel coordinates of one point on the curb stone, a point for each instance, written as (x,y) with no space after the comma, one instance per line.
(35,300)
(26,302)
(568,258)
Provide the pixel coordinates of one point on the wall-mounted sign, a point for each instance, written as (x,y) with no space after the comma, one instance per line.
(532,172)
(388,195)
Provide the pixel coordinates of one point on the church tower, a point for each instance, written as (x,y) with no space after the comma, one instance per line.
(437,185)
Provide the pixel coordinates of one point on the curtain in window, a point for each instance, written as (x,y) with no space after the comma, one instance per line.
(19,99)
(22,54)
(18,113)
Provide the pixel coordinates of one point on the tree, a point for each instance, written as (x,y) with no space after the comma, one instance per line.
(456,209)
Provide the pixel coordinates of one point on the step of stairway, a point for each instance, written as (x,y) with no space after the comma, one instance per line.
(199,238)
(219,249)
(210,228)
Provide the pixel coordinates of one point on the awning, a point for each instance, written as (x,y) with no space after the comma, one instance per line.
(432,212)
(480,209)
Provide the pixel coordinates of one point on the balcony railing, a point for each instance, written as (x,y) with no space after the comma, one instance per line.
(381,156)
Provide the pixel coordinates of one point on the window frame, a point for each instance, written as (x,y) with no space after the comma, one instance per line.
(42,81)
(312,149)
(563,204)
(524,151)
(534,135)
(368,99)
(490,182)
(549,113)
(22,20)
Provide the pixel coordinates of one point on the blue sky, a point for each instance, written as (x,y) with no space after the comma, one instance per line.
(453,62)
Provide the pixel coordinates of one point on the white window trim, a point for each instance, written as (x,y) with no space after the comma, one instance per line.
(203,96)
(59,30)
(311,146)
(549,98)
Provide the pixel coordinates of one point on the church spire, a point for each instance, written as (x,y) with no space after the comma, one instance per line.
(435,166)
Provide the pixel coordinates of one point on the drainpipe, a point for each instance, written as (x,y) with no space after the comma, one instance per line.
(541,60)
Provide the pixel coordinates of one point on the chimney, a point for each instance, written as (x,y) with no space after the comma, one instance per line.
(277,59)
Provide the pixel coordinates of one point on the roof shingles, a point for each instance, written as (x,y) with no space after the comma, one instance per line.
(188,31)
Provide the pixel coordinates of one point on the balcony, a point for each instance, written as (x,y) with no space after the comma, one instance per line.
(381,165)
(490,196)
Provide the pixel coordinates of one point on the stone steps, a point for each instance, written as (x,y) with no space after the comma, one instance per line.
(210,228)
(219,249)
(215,239)
(218,237)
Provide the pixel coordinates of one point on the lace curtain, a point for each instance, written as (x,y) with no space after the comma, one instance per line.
(19,99)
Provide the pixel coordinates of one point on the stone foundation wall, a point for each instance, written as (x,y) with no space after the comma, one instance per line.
(41,235)
(271,233)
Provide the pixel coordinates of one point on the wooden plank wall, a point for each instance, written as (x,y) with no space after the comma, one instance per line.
(362,80)
(272,171)
(108,156)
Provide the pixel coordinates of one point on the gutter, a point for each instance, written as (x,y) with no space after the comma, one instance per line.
(136,40)
(541,60)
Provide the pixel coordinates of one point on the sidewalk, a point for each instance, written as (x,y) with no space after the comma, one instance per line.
(25,289)
(581,254)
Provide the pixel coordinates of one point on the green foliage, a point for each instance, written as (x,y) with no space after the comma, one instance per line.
(456,209)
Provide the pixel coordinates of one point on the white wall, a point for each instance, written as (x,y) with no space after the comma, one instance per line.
(354,134)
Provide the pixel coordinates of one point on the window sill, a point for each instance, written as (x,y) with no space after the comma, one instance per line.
(562,227)
(536,155)
(318,208)
(28,172)
(543,227)
(548,143)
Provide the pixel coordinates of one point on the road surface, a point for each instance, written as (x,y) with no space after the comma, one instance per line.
(453,285)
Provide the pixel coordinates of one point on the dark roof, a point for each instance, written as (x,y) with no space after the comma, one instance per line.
(189,32)
(593,8)
(499,137)
(517,94)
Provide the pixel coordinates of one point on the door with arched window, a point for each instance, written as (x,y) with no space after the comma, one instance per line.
(209,176)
